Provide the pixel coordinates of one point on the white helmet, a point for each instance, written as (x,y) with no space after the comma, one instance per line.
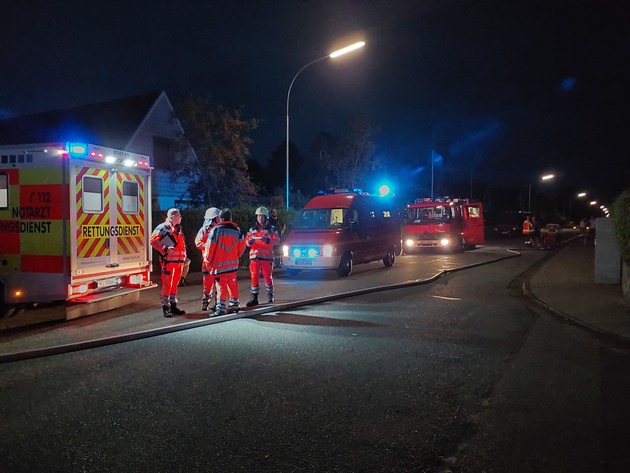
(262,211)
(211,213)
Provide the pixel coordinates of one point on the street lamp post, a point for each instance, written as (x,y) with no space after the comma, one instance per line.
(333,55)
(546,177)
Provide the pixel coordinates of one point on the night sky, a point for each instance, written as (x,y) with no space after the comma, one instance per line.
(503,90)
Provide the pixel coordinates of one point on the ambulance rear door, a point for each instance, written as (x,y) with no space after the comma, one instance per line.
(130,244)
(93,193)
(109,221)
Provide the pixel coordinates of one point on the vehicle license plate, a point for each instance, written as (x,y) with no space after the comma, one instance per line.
(107,282)
(303,262)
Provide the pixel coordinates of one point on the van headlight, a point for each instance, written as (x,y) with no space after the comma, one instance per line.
(285,250)
(409,242)
(445,242)
(327,250)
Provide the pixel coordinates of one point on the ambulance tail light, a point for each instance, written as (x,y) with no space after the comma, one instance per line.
(77,289)
(139,279)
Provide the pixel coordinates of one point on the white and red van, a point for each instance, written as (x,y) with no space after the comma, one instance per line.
(341,229)
(453,224)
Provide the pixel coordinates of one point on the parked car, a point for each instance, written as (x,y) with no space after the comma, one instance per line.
(508,224)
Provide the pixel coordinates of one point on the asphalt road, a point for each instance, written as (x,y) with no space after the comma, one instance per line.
(459,375)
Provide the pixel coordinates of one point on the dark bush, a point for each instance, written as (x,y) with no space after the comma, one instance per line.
(620,213)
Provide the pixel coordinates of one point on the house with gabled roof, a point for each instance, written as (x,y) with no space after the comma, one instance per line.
(144,124)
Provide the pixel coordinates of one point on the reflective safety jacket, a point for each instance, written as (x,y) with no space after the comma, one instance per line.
(528,227)
(202,234)
(223,248)
(261,240)
(169,242)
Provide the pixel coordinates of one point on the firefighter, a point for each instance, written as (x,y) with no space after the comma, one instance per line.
(260,240)
(168,240)
(223,249)
(211,219)
(528,230)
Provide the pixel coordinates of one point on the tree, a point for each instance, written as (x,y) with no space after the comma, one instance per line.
(220,139)
(620,213)
(355,159)
(276,167)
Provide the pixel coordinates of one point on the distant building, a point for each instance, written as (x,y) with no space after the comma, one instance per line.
(142,124)
(314,173)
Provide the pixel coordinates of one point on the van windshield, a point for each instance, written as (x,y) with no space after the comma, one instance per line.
(320,219)
(426,215)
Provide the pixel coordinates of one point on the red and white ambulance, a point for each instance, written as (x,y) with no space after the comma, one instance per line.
(75,222)
(453,224)
(342,228)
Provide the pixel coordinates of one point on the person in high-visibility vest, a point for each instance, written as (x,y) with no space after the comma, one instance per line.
(211,219)
(168,240)
(260,240)
(528,230)
(224,247)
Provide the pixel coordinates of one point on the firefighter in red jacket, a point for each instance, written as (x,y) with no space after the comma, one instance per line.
(211,219)
(168,240)
(223,249)
(261,239)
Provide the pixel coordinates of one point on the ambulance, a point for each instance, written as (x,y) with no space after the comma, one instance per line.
(444,223)
(342,228)
(75,222)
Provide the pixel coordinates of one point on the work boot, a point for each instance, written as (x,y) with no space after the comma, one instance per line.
(217,312)
(175,310)
(270,297)
(167,311)
(253,300)
(204,305)
(235,308)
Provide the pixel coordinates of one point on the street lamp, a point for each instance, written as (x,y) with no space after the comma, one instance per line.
(545,177)
(333,55)
(580,195)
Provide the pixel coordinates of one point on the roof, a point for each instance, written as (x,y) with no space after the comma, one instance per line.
(111,123)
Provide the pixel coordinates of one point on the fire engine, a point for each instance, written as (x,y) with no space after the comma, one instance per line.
(454,224)
(74,225)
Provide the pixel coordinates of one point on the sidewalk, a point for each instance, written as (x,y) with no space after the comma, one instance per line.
(566,285)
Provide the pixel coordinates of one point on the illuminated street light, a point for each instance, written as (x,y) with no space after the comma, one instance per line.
(545,177)
(333,55)
(581,194)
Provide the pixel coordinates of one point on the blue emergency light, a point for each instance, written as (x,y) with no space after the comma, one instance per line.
(77,149)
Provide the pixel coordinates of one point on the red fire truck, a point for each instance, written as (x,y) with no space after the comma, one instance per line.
(453,224)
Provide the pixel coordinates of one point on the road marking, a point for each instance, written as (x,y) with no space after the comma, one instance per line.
(447,298)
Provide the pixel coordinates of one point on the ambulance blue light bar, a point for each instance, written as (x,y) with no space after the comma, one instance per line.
(77,149)
(107,155)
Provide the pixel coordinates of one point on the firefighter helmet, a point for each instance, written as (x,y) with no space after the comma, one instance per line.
(211,213)
(262,211)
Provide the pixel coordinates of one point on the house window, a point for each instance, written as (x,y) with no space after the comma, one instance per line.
(162,153)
